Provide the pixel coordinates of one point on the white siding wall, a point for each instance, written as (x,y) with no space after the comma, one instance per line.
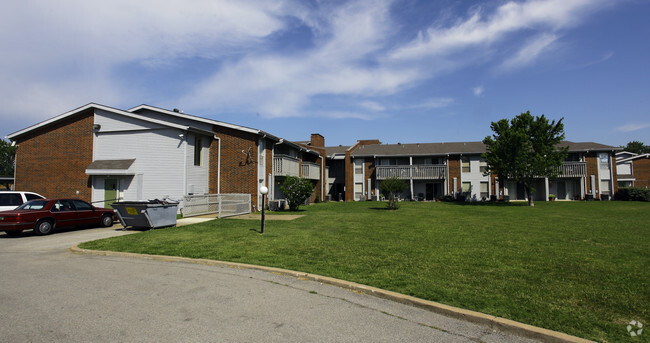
(197,176)
(173,119)
(159,152)
(474,177)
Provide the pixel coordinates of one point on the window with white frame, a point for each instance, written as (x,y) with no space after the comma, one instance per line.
(466,188)
(484,190)
(465,165)
(603,157)
(604,187)
(483,167)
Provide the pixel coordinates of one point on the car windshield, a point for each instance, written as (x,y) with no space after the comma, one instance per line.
(33,205)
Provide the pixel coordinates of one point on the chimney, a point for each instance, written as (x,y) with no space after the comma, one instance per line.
(317,140)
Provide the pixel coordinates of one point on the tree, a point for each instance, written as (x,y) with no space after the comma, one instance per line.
(390,187)
(637,147)
(524,149)
(296,190)
(7,158)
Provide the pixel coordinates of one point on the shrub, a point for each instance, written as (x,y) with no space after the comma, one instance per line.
(296,190)
(390,187)
(633,194)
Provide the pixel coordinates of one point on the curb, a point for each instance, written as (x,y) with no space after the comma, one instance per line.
(502,324)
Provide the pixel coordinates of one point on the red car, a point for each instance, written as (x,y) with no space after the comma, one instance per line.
(44,215)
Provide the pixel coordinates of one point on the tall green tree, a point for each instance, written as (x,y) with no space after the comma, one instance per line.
(637,147)
(7,158)
(524,149)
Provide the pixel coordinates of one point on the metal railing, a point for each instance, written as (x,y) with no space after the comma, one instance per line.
(286,165)
(573,169)
(414,172)
(310,171)
(225,205)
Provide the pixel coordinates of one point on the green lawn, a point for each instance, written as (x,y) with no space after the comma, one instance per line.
(578,267)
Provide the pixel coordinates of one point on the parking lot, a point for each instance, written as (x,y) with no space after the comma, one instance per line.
(50,294)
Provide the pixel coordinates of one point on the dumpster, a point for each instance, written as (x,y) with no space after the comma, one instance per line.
(150,214)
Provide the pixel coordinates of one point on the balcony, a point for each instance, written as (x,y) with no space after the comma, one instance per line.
(573,169)
(310,171)
(415,172)
(285,165)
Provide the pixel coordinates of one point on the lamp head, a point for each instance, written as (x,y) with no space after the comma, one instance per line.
(264,190)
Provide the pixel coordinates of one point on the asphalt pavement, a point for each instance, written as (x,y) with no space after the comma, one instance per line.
(49,294)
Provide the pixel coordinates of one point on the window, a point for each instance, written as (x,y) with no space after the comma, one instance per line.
(198,145)
(10,199)
(81,205)
(604,187)
(484,190)
(464,163)
(603,157)
(358,191)
(31,196)
(466,188)
(483,167)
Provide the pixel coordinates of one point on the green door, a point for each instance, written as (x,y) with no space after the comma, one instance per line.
(110,192)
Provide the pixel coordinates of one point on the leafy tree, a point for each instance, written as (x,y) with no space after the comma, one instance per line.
(390,187)
(524,149)
(637,147)
(7,158)
(296,190)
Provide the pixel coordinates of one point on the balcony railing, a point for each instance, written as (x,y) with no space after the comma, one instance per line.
(415,172)
(310,171)
(285,165)
(573,169)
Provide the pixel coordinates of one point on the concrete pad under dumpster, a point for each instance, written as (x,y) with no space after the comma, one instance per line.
(150,214)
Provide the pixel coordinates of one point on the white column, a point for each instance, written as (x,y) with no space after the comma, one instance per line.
(546,188)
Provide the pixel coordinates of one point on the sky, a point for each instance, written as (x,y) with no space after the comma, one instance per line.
(399,71)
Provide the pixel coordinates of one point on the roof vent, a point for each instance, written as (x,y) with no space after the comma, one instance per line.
(177,110)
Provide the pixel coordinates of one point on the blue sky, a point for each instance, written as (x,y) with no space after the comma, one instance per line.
(400,71)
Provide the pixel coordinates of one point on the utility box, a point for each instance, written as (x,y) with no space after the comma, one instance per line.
(150,214)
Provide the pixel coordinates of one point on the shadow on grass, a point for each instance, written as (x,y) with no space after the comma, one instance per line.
(489,203)
(383,209)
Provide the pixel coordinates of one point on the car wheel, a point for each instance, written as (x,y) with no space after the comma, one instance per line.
(43,227)
(107,220)
(13,233)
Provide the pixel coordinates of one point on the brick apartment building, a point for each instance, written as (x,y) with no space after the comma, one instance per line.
(98,153)
(434,170)
(633,170)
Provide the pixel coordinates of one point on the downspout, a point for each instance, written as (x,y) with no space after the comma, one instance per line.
(218,164)
(13,185)
(184,138)
(611,175)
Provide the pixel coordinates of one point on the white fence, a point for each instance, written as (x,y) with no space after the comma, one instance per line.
(226,205)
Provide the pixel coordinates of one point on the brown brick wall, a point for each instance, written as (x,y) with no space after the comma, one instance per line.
(52,161)
(369,173)
(591,159)
(238,175)
(641,170)
(317,140)
(453,164)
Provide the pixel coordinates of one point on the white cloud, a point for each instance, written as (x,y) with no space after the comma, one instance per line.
(371,105)
(529,52)
(479,29)
(62,54)
(633,127)
(478,90)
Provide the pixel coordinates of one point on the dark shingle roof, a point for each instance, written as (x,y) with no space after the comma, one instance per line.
(111,164)
(453,148)
(331,150)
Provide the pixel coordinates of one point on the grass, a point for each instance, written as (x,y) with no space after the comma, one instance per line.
(582,268)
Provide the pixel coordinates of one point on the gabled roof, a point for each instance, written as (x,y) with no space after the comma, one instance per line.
(453,148)
(421,149)
(632,158)
(330,151)
(199,119)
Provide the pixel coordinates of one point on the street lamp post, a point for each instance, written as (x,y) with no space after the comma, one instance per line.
(264,191)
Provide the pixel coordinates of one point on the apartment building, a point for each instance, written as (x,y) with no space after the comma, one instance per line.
(98,153)
(435,170)
(633,170)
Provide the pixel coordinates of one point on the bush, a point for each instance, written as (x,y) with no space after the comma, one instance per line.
(633,194)
(390,187)
(296,190)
